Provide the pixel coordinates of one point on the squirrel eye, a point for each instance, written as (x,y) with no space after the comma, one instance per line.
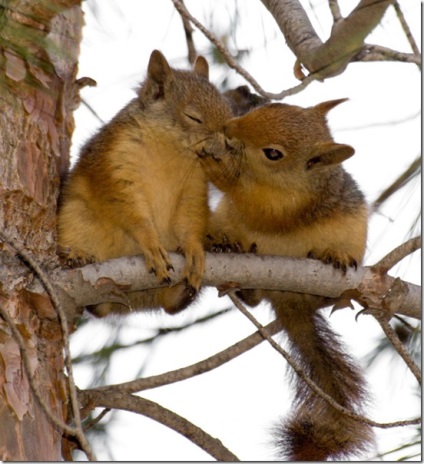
(273,154)
(194,118)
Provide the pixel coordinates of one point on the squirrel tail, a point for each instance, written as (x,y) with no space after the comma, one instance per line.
(314,430)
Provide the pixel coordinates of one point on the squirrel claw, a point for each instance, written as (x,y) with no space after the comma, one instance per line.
(339,260)
(166,280)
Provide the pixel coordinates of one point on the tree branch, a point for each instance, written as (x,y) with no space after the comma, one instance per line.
(398,345)
(335,10)
(188,31)
(136,404)
(311,384)
(396,255)
(413,170)
(347,36)
(100,282)
(406,28)
(379,53)
(198,368)
(232,63)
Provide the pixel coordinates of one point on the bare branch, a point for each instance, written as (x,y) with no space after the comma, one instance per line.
(406,28)
(347,36)
(188,31)
(96,283)
(412,171)
(90,424)
(201,367)
(295,26)
(335,10)
(396,255)
(136,404)
(107,351)
(232,63)
(379,53)
(312,385)
(398,345)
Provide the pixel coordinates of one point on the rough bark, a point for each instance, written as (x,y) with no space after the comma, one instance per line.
(39,45)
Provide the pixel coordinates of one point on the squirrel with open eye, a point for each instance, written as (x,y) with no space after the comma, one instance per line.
(286,193)
(138,187)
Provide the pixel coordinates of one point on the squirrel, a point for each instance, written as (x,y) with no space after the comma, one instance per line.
(138,187)
(286,193)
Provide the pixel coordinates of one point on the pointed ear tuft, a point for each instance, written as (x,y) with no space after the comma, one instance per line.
(325,107)
(158,69)
(329,153)
(201,67)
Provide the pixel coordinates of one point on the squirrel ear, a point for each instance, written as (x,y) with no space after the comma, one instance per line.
(201,67)
(158,74)
(329,153)
(325,107)
(158,69)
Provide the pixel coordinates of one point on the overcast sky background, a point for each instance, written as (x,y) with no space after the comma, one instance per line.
(241,400)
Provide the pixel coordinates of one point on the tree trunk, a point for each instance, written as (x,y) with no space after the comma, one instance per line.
(39,46)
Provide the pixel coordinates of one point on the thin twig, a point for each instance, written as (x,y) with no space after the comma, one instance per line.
(107,351)
(233,63)
(201,367)
(311,384)
(90,424)
(412,171)
(398,345)
(92,111)
(379,53)
(335,10)
(406,28)
(36,268)
(188,31)
(396,255)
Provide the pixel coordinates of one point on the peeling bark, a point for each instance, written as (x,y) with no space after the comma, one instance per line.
(39,45)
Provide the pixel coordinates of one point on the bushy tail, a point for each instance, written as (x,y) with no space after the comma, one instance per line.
(314,430)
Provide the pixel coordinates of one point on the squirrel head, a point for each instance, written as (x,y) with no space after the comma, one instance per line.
(281,145)
(183,98)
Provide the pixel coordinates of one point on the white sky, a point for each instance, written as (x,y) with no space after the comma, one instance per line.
(241,400)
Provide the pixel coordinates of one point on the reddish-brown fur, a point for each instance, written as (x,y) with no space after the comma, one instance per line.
(138,187)
(300,204)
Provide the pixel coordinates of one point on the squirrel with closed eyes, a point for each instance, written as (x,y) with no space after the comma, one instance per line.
(286,193)
(138,188)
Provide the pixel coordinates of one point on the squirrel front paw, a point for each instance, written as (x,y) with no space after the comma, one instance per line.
(194,265)
(74,258)
(224,245)
(339,259)
(158,263)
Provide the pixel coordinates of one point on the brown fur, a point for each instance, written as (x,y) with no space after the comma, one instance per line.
(138,187)
(299,204)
